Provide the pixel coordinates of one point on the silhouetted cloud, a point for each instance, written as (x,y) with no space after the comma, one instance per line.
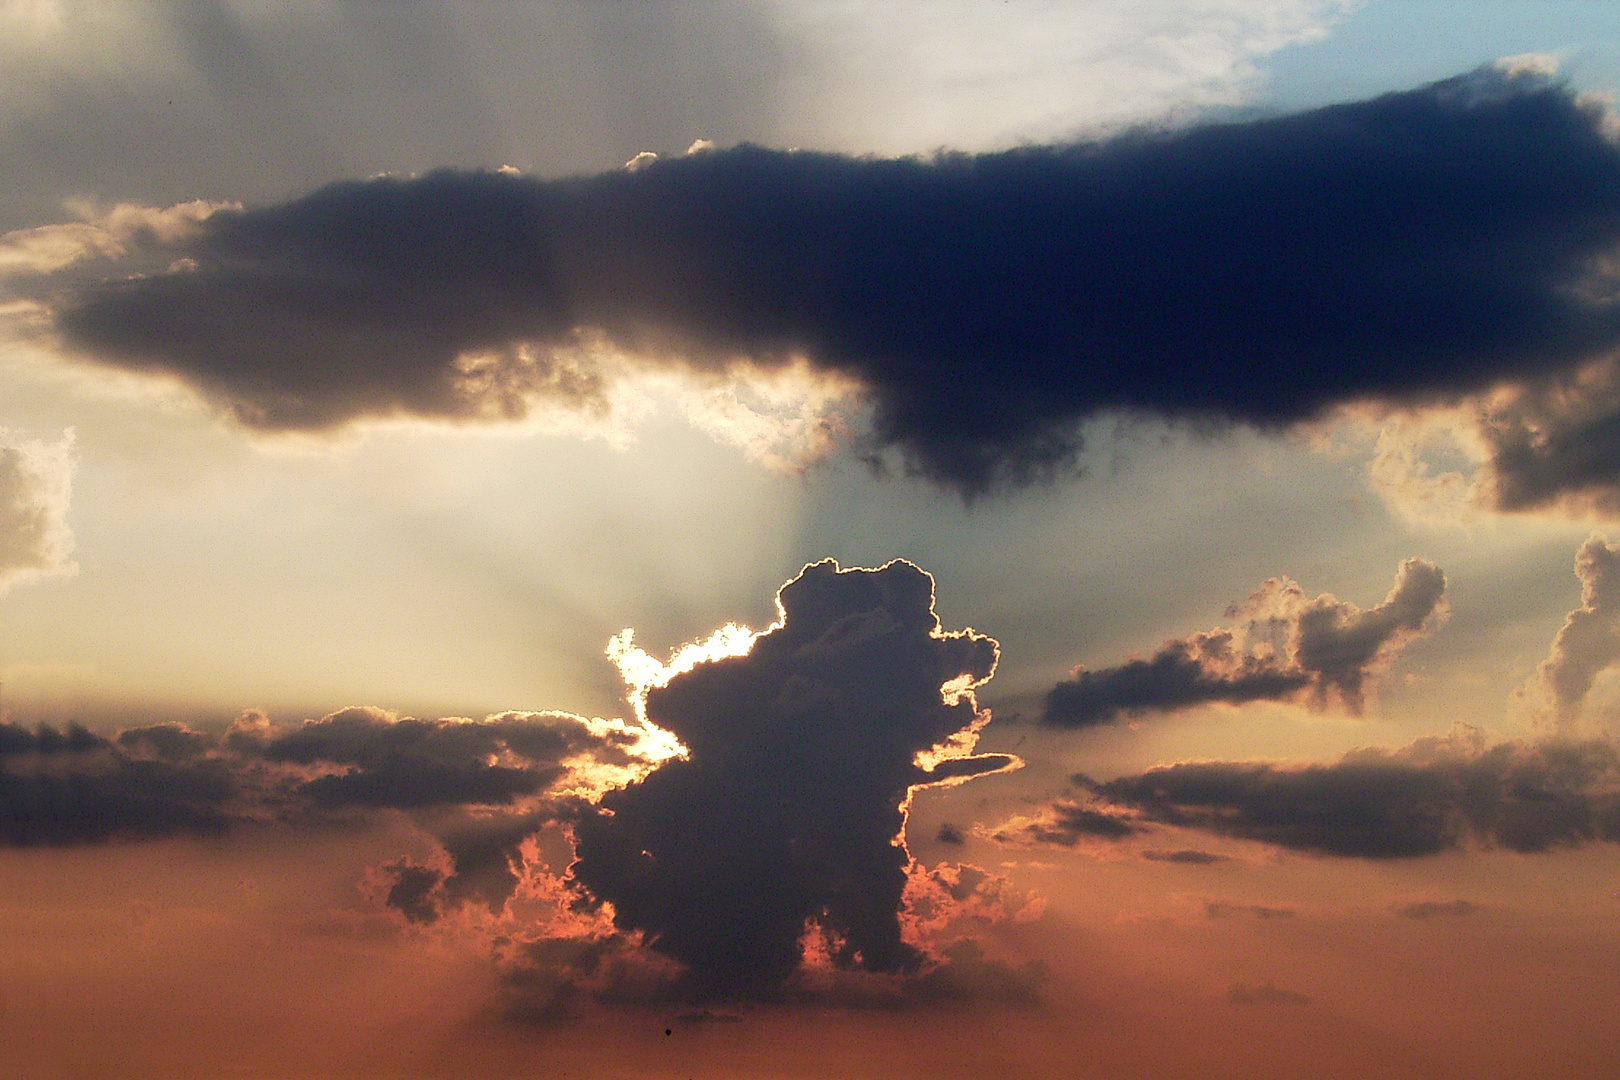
(1434,795)
(1411,249)
(788,810)
(1589,641)
(1287,646)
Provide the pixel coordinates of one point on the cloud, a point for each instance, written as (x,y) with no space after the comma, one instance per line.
(1287,647)
(787,812)
(76,787)
(1184,855)
(1433,909)
(1411,249)
(1265,994)
(1221,909)
(36,481)
(1589,641)
(1434,795)
(480,787)
(1065,823)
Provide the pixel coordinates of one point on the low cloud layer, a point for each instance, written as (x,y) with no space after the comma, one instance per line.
(1408,250)
(1287,647)
(76,786)
(1437,794)
(35,488)
(787,813)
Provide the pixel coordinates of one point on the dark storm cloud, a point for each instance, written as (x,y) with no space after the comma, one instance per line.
(1288,647)
(1407,249)
(1432,796)
(787,814)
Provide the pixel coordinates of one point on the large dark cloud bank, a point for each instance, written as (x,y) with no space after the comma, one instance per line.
(1406,249)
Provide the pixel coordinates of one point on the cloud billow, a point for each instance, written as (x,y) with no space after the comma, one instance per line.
(1288,647)
(1409,249)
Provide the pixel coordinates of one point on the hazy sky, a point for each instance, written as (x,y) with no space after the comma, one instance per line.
(1209,408)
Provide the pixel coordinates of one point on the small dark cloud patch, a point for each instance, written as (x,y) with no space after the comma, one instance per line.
(950,834)
(1188,856)
(1221,909)
(1435,909)
(411,893)
(1409,250)
(1288,647)
(787,813)
(1264,994)
(1066,823)
(1437,794)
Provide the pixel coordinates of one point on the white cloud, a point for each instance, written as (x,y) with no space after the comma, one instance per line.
(35,487)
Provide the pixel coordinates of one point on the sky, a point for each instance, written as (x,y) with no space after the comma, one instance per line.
(809,540)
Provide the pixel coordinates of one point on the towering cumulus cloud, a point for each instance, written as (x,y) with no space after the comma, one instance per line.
(1414,248)
(1589,641)
(1287,646)
(786,815)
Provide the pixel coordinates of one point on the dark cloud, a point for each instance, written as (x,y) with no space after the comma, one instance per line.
(1287,647)
(1409,249)
(1066,823)
(788,812)
(950,834)
(1432,909)
(1435,795)
(1185,855)
(76,787)
(411,891)
(464,779)
(1221,909)
(1589,641)
(1265,994)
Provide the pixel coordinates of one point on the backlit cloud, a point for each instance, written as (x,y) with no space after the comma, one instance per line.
(1412,249)
(787,813)
(1286,647)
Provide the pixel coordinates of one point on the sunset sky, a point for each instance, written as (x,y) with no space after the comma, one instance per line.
(767,539)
